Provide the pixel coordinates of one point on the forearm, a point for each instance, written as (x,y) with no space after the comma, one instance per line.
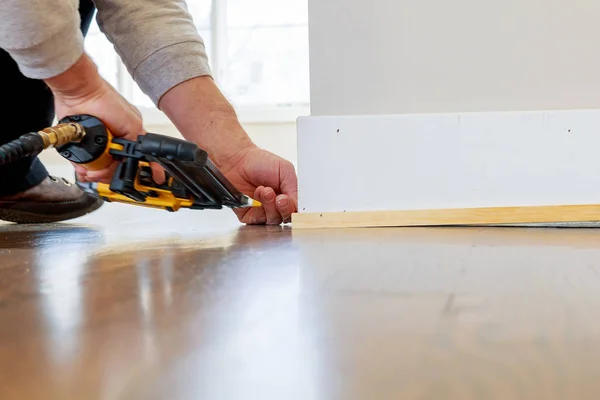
(163,51)
(203,115)
(79,80)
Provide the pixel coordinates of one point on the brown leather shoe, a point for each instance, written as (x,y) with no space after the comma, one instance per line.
(53,200)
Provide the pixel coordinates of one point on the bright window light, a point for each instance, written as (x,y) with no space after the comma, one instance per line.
(258,52)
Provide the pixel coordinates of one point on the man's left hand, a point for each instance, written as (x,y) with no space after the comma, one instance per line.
(269,179)
(204,116)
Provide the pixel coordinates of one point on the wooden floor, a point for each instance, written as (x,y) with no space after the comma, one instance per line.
(130,303)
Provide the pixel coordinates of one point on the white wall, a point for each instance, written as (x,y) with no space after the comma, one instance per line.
(409,56)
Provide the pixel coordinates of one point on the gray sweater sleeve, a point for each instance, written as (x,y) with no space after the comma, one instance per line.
(43,37)
(156,39)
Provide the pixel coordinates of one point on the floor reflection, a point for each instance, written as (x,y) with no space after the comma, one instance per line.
(60,272)
(44,236)
(258,312)
(155,318)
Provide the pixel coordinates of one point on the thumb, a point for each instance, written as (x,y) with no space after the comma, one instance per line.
(126,121)
(126,129)
(288,180)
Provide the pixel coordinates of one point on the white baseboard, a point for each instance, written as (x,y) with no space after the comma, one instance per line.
(445,161)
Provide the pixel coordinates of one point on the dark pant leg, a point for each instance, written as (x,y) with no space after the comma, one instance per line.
(86,11)
(27,107)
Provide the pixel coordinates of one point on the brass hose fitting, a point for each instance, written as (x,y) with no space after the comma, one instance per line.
(58,135)
(33,143)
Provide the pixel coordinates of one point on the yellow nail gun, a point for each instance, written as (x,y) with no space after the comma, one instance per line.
(192,180)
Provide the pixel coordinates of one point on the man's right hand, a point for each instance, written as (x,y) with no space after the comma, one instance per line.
(81,90)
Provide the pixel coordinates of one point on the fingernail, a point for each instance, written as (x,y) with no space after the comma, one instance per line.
(283,202)
(270,195)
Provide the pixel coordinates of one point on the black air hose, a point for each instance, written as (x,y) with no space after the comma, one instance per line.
(27,145)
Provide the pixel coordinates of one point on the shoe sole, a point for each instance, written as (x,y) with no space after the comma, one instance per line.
(24,217)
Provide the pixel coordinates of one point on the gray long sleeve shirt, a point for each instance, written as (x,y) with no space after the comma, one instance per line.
(156,39)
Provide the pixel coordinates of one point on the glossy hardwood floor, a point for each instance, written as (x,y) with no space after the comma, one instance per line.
(130,303)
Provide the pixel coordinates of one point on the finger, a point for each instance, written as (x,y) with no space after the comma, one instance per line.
(81,177)
(289,181)
(80,170)
(285,207)
(105,175)
(129,127)
(135,109)
(158,173)
(268,201)
(252,215)
(256,215)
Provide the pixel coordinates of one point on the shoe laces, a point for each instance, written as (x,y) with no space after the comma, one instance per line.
(62,180)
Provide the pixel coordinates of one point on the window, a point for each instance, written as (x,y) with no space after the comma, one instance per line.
(258,52)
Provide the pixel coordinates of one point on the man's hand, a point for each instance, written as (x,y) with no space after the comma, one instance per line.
(203,116)
(81,90)
(267,178)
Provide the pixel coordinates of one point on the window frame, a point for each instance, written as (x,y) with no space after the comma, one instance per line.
(252,114)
